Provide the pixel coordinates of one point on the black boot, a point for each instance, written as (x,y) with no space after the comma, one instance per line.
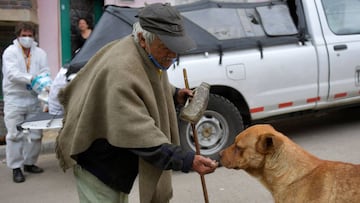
(33,169)
(18,176)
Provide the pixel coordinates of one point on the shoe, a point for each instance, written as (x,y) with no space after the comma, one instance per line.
(2,140)
(33,169)
(18,176)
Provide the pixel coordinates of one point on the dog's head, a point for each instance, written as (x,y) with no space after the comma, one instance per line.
(250,148)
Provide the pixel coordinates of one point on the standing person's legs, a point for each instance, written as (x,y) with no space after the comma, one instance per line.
(15,140)
(14,115)
(92,190)
(14,153)
(32,151)
(32,148)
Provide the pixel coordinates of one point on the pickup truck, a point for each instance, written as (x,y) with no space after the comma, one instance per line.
(263,59)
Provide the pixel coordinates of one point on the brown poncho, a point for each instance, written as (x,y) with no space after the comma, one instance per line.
(120,95)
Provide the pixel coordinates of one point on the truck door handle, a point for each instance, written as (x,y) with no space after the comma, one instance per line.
(340,47)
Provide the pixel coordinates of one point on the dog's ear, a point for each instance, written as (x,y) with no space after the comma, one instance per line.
(265,143)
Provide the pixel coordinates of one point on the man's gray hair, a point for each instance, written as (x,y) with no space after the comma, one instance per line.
(149,37)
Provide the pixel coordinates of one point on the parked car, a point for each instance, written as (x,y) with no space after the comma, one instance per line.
(262,59)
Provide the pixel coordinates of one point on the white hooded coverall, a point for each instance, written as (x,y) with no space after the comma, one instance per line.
(20,103)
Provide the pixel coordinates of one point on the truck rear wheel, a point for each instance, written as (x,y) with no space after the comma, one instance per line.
(216,130)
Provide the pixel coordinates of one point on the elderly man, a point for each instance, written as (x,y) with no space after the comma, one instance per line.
(120,118)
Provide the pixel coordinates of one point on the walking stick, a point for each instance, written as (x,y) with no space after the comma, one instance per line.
(193,122)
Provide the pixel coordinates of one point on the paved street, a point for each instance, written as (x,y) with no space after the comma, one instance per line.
(332,136)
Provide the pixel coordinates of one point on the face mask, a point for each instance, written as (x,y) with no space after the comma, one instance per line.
(26,42)
(157,64)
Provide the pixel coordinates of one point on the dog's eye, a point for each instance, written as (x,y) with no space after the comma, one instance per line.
(239,149)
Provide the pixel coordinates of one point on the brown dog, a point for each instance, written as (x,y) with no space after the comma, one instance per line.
(289,172)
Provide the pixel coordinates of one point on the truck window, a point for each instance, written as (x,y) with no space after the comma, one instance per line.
(276,20)
(235,23)
(227,23)
(343,17)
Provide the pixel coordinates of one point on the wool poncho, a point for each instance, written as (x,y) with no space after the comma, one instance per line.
(120,95)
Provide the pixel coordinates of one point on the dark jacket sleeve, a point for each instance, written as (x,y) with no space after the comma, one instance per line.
(166,157)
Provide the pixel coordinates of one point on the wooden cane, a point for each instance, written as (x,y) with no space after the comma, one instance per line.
(197,146)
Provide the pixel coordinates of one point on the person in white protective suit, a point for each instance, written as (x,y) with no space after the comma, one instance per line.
(26,74)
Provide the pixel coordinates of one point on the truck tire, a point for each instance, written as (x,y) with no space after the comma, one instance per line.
(216,130)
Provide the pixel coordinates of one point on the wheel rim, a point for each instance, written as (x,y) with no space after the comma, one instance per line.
(212,131)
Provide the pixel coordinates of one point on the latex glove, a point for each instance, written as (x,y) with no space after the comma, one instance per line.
(41,82)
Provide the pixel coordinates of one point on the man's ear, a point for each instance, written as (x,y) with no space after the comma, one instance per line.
(141,39)
(265,143)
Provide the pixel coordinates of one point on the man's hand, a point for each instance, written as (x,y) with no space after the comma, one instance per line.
(182,95)
(204,165)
